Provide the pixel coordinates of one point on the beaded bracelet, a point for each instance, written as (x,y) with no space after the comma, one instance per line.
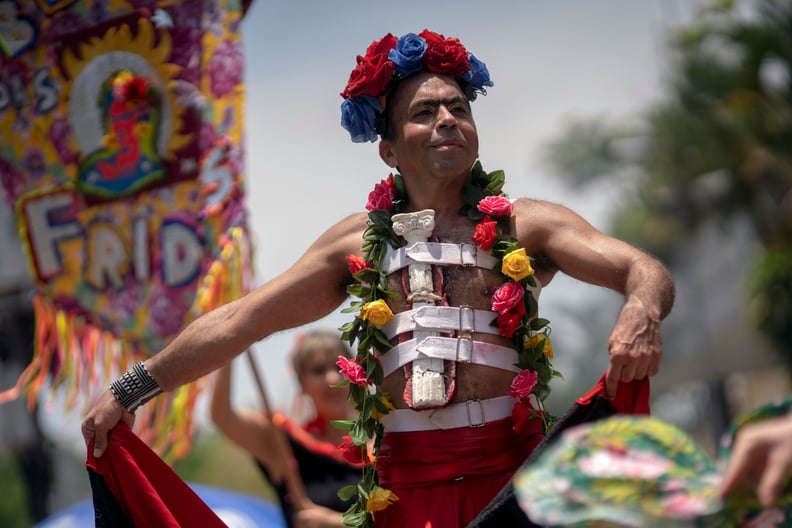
(135,388)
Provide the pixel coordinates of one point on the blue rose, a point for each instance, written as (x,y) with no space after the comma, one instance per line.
(408,54)
(358,116)
(478,76)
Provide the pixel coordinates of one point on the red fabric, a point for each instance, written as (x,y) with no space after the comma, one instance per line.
(631,398)
(150,492)
(445,478)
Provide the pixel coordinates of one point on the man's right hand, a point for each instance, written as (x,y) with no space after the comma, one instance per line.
(104,415)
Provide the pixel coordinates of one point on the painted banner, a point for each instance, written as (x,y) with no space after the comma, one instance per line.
(121,126)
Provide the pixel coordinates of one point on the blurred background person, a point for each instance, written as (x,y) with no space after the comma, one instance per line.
(312,439)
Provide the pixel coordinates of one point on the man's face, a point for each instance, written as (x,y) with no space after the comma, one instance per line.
(433,128)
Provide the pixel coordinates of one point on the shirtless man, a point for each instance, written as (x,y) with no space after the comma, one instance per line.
(429,136)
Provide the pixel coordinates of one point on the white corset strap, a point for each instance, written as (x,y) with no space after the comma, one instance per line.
(471,413)
(460,349)
(441,319)
(437,253)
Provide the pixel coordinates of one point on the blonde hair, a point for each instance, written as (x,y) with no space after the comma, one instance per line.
(308,343)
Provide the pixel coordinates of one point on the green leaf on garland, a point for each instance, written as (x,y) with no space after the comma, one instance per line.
(367,275)
(347,492)
(539,323)
(381,342)
(497,179)
(368,406)
(544,372)
(401,189)
(356,290)
(358,434)
(354,519)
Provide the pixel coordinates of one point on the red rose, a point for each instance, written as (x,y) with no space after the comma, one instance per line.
(525,419)
(509,322)
(495,206)
(382,195)
(382,46)
(370,77)
(486,232)
(351,453)
(444,55)
(356,263)
(373,72)
(507,296)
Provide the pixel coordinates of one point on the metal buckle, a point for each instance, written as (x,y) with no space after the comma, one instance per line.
(467,321)
(481,411)
(464,349)
(467,254)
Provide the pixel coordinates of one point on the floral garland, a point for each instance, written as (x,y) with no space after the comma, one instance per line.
(517,320)
(390,59)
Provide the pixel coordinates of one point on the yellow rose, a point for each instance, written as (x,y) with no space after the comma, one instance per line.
(377,313)
(380,499)
(517,265)
(540,339)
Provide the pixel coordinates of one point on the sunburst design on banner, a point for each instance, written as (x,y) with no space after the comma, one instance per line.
(144,52)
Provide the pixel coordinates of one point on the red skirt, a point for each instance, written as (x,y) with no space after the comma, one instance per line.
(444,478)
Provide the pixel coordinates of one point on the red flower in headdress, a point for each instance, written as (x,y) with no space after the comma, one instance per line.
(373,72)
(445,55)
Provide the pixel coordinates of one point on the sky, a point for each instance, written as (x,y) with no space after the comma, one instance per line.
(550,61)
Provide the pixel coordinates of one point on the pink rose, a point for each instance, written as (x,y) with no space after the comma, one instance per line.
(495,206)
(509,322)
(522,384)
(382,195)
(352,371)
(486,233)
(357,263)
(507,296)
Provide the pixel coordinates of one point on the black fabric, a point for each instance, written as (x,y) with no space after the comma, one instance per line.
(504,510)
(321,476)
(108,513)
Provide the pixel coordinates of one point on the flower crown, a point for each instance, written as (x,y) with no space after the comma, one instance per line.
(390,59)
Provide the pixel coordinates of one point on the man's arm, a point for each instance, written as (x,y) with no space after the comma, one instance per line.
(760,460)
(313,287)
(576,248)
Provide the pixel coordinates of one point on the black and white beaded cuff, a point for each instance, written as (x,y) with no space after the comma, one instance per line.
(135,388)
